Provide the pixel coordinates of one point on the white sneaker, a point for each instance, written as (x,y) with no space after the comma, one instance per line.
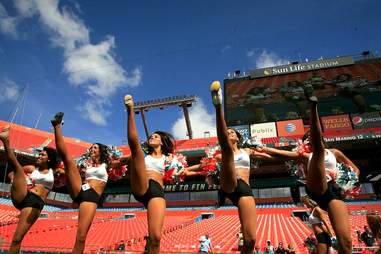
(128,101)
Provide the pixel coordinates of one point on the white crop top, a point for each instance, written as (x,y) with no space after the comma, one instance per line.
(313,219)
(155,164)
(45,179)
(97,173)
(242,160)
(329,162)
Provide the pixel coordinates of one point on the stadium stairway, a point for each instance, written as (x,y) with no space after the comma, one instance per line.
(223,230)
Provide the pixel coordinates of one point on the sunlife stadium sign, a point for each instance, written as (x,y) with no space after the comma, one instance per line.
(300,67)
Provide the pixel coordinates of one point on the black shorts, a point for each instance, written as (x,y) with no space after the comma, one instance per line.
(333,192)
(242,190)
(87,194)
(154,191)
(31,200)
(324,238)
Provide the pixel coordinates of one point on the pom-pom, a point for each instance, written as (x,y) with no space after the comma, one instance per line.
(253,142)
(303,147)
(115,173)
(174,169)
(348,180)
(84,161)
(296,168)
(210,166)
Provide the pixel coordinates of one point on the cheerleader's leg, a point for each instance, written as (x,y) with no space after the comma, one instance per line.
(228,179)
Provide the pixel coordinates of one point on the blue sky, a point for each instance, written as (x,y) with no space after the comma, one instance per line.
(82,57)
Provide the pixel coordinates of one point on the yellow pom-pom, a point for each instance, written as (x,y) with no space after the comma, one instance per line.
(215,86)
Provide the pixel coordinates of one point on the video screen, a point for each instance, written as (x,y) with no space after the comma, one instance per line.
(349,89)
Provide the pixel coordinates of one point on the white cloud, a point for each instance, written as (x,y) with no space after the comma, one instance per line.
(264,59)
(91,66)
(268,59)
(26,8)
(95,112)
(8,24)
(11,90)
(66,29)
(135,78)
(201,121)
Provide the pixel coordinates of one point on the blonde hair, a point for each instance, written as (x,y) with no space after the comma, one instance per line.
(374,223)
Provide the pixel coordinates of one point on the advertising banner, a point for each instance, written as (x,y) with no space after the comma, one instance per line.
(336,123)
(366,120)
(353,137)
(307,66)
(244,130)
(202,186)
(290,128)
(263,130)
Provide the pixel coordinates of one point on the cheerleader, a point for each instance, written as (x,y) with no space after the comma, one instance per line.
(319,226)
(87,193)
(31,185)
(329,175)
(147,173)
(235,172)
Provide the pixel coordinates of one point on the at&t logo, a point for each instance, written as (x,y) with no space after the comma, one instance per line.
(290,127)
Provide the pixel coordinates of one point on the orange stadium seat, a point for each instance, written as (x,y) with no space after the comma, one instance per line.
(180,232)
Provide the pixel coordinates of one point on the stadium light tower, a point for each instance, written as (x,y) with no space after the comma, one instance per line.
(182,101)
